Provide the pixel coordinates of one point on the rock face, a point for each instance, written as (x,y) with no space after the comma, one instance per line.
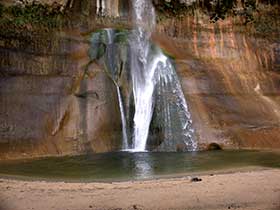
(49,106)
(231,81)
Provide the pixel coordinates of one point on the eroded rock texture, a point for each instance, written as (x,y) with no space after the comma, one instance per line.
(48,106)
(231,81)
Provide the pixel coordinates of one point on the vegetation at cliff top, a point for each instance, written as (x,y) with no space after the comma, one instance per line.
(34,15)
(215,9)
(30,15)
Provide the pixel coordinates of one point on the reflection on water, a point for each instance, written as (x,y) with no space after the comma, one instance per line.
(134,166)
(143,166)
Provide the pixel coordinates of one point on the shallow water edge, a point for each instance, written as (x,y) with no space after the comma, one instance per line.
(124,166)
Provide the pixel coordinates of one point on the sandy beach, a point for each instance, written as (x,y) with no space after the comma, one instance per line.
(254,190)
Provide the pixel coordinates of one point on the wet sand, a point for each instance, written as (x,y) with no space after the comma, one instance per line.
(252,190)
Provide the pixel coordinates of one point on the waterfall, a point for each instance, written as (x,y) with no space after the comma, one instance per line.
(125,140)
(111,66)
(108,8)
(148,68)
(153,108)
(142,72)
(100,7)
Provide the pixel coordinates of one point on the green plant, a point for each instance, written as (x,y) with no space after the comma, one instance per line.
(31,14)
(1,9)
(215,9)
(172,8)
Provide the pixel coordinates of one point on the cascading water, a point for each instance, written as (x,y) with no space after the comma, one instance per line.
(110,52)
(100,7)
(142,72)
(154,111)
(149,69)
(124,134)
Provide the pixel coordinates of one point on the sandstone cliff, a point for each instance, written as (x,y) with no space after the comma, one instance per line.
(229,70)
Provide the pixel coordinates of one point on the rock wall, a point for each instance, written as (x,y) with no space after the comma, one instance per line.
(48,106)
(230,78)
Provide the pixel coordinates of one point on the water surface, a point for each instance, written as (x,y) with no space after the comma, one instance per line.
(122,166)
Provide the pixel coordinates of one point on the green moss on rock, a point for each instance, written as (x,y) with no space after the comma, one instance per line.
(30,15)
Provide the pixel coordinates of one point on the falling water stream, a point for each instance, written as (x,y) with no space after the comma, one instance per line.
(112,65)
(125,139)
(149,67)
(151,101)
(143,71)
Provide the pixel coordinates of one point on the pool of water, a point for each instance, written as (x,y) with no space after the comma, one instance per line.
(122,166)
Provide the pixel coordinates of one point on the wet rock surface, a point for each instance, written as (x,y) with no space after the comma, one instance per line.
(231,82)
(49,106)
(41,111)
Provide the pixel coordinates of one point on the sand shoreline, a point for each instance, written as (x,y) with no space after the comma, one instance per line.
(251,190)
